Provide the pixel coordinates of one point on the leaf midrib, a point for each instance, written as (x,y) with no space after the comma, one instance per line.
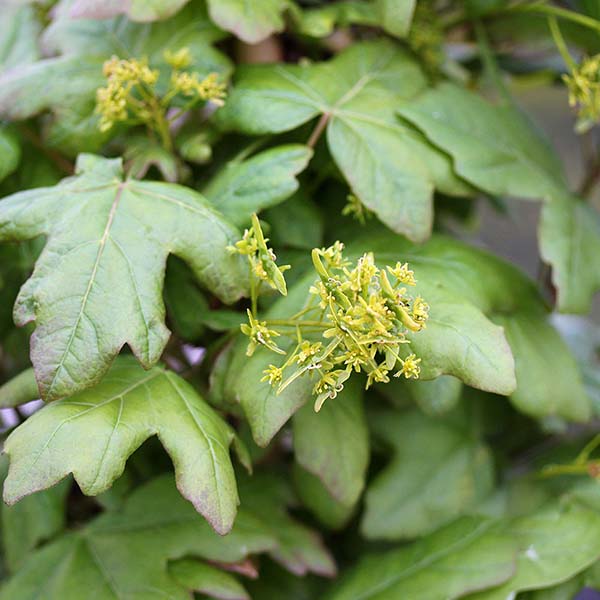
(102,245)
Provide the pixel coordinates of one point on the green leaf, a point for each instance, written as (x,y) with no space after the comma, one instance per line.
(569,235)
(460,340)
(110,421)
(82,45)
(16,263)
(554,544)
(190,27)
(266,179)
(389,167)
(98,283)
(334,443)
(583,338)
(19,390)
(439,470)
(498,150)
(265,410)
(36,519)
(251,22)
(104,557)
(185,301)
(434,397)
(467,555)
(493,147)
(205,579)
(563,591)
(137,10)
(317,498)
(19,30)
(297,223)
(67,78)
(396,17)
(299,549)
(462,285)
(549,382)
(321,21)
(10,152)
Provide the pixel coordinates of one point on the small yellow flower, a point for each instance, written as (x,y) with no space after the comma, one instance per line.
(420,311)
(273,374)
(260,335)
(185,83)
(180,59)
(111,105)
(410,367)
(308,351)
(210,89)
(403,274)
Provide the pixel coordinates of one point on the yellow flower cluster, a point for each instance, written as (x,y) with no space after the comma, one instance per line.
(369,318)
(112,101)
(209,88)
(131,91)
(181,59)
(584,92)
(363,316)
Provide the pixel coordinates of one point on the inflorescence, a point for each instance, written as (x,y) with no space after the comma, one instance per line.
(356,320)
(131,93)
(583,84)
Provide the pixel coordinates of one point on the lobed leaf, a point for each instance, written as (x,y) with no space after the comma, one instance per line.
(123,555)
(109,422)
(389,167)
(97,285)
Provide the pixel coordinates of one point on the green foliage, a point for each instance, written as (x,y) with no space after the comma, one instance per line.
(116,241)
(257,227)
(111,420)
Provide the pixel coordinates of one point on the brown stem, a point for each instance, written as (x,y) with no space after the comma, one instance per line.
(591,179)
(318,130)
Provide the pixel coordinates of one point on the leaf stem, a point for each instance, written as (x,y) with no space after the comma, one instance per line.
(559,40)
(318,130)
